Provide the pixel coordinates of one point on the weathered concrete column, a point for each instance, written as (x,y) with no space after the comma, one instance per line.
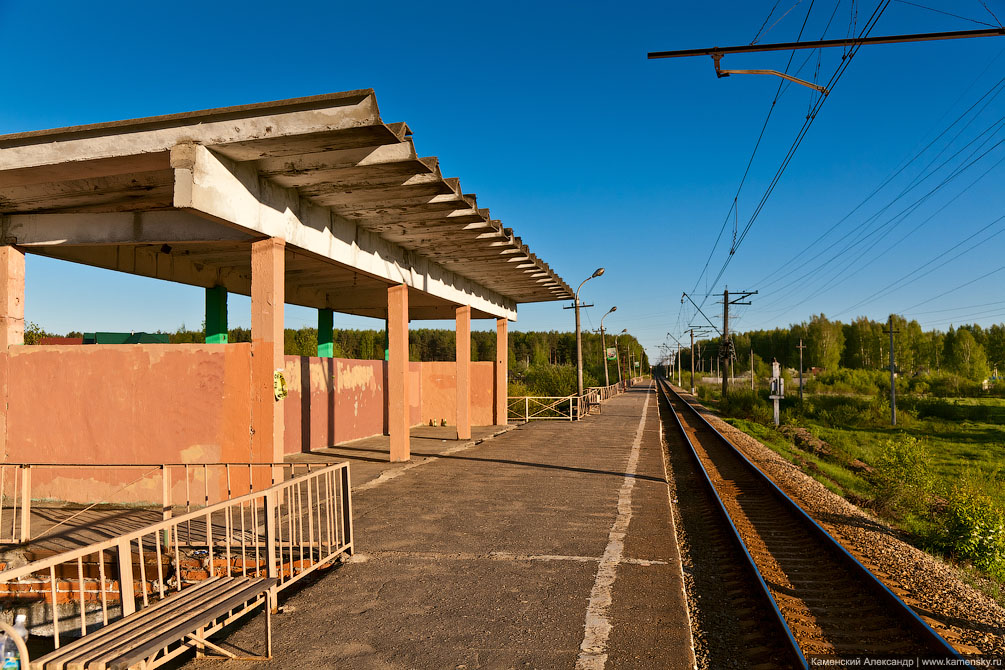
(216,315)
(398,423)
(11,297)
(501,376)
(326,339)
(463,372)
(268,268)
(11,320)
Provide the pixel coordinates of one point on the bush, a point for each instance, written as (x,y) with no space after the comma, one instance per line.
(902,476)
(706,392)
(952,410)
(948,385)
(972,526)
(554,380)
(747,405)
(845,380)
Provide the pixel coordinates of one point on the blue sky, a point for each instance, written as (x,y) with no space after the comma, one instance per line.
(595,155)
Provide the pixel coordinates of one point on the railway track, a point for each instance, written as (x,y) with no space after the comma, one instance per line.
(821,602)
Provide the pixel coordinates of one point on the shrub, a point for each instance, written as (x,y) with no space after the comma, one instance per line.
(902,476)
(551,380)
(952,410)
(747,405)
(845,380)
(972,525)
(706,392)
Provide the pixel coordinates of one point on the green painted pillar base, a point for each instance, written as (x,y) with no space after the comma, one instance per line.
(216,315)
(326,333)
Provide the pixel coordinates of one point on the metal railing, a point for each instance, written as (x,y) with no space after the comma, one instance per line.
(555,408)
(170,487)
(285,531)
(530,408)
(606,392)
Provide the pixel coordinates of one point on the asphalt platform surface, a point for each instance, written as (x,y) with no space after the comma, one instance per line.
(549,545)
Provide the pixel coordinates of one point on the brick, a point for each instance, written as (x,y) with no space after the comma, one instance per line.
(62,597)
(194,575)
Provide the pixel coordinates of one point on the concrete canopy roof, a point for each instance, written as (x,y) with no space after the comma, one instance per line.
(181,197)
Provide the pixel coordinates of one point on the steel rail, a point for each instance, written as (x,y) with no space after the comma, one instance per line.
(929,635)
(791,645)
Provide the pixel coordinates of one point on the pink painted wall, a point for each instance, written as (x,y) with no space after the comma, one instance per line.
(439,392)
(138,403)
(141,403)
(341,399)
(415,392)
(439,399)
(482,393)
(191,403)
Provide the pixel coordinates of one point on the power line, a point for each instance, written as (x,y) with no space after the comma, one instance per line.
(957,309)
(886,181)
(939,11)
(906,281)
(768,18)
(954,289)
(991,13)
(750,162)
(799,282)
(846,61)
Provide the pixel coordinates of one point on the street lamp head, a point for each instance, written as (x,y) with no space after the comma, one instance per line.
(597,272)
(613,309)
(623,331)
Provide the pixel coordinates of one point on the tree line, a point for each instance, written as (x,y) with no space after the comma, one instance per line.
(530,353)
(970,351)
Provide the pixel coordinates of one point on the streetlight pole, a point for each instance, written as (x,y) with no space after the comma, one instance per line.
(579,335)
(603,344)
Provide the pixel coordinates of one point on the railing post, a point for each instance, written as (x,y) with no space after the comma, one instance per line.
(165,493)
(270,533)
(570,408)
(25,503)
(526,409)
(347,510)
(271,546)
(126,592)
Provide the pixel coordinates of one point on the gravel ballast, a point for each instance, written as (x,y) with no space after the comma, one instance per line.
(970,620)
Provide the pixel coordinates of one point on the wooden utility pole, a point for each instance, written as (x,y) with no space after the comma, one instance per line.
(726,353)
(801,347)
(678,364)
(893,381)
(692,361)
(724,349)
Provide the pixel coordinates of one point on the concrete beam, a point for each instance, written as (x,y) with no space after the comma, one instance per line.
(163,227)
(336,160)
(139,190)
(219,189)
(153,262)
(244,132)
